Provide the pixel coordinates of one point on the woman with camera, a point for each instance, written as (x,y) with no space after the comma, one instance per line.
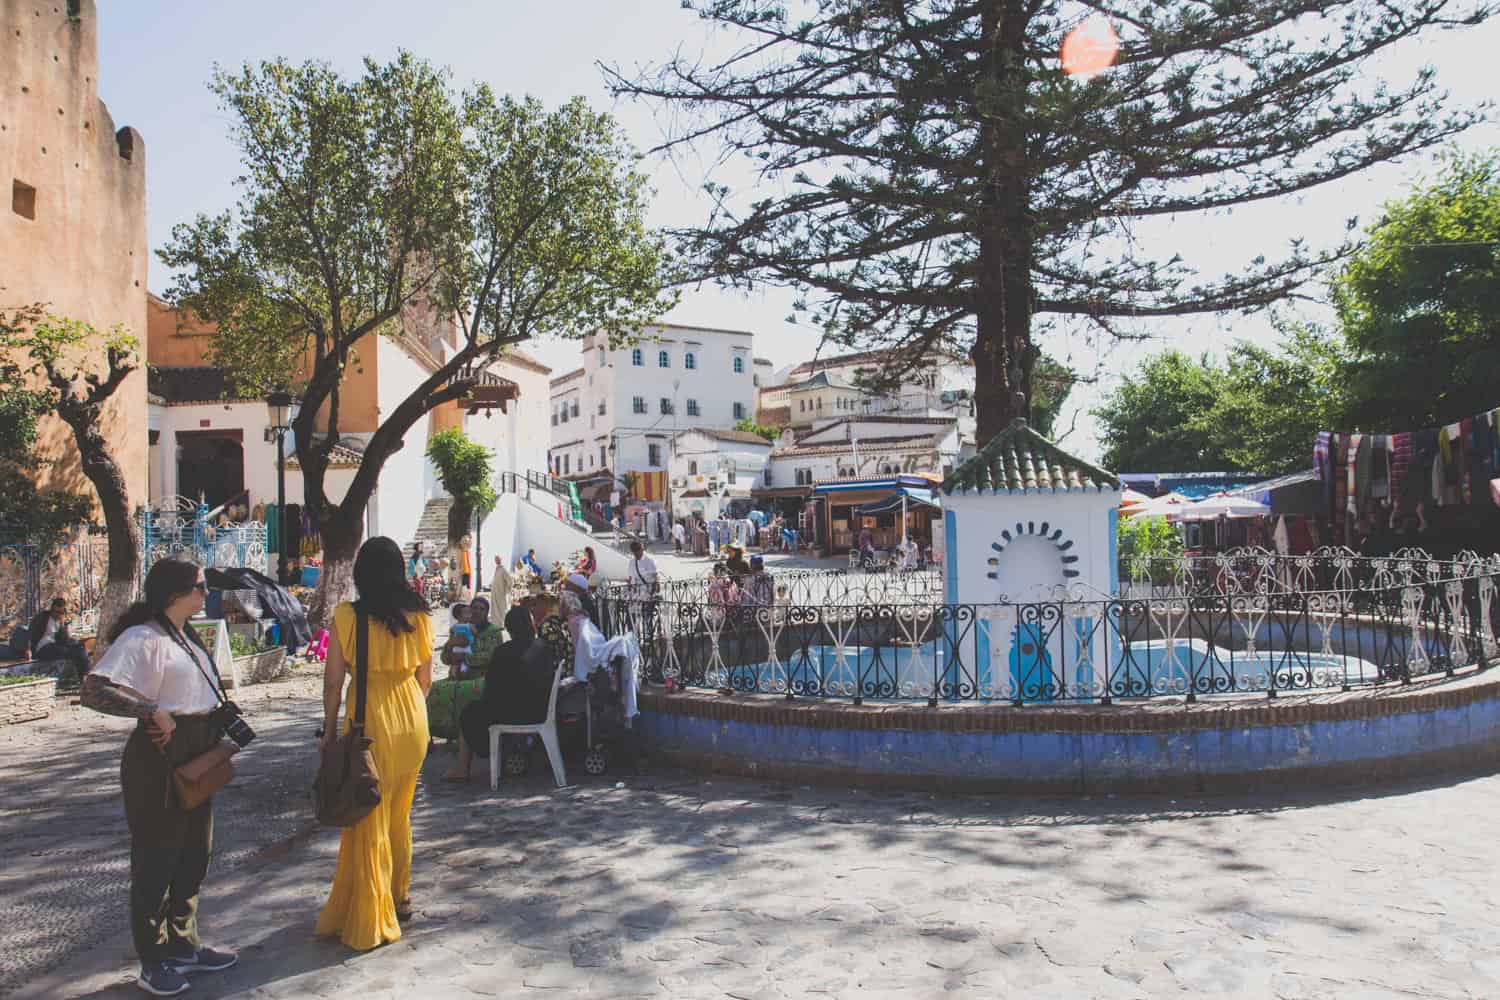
(372,883)
(158,672)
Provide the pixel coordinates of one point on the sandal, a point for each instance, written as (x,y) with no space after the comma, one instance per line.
(403,911)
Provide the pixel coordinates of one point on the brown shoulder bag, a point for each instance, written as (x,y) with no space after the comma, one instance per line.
(347,787)
(197,780)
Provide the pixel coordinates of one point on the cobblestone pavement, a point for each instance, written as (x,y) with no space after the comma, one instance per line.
(672,885)
(62,828)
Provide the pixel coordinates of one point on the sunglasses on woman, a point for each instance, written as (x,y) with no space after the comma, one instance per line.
(201,587)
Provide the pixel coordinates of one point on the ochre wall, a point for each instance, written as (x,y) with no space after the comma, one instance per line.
(85,252)
(175,339)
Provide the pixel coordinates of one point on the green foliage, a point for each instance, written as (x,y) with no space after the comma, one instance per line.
(1051,383)
(464,469)
(388,204)
(243,645)
(1420,303)
(764,430)
(1145,545)
(31,342)
(1258,411)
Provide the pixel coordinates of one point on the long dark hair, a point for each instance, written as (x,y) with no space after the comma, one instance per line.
(380,578)
(167,580)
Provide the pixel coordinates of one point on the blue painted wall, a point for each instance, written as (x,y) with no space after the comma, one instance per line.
(1085,758)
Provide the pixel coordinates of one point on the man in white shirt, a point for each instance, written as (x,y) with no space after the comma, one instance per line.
(679,536)
(643,575)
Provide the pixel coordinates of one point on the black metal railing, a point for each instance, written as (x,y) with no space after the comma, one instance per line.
(819,634)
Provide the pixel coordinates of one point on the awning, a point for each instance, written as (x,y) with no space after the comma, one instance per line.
(913,498)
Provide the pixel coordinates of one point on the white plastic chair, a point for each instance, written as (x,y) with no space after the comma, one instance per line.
(854,558)
(546,729)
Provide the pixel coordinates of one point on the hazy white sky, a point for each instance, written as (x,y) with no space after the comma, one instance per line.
(157,56)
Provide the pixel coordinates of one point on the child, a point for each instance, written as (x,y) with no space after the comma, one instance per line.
(465,639)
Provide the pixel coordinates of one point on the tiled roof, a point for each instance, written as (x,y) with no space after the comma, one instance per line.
(563,378)
(524,360)
(343,456)
(903,442)
(1019,460)
(739,437)
(177,386)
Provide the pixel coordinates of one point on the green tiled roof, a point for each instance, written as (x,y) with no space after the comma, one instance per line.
(1019,460)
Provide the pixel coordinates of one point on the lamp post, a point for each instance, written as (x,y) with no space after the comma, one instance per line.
(279,405)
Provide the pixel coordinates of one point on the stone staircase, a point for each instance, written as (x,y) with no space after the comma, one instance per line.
(432,530)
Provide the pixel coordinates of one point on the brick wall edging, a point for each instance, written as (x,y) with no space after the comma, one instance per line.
(1291,709)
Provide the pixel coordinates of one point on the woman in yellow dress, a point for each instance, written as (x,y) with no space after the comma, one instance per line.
(372,884)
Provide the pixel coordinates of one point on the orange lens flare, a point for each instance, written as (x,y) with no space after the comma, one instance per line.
(1090,48)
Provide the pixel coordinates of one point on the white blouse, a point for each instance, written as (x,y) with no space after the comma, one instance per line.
(148,661)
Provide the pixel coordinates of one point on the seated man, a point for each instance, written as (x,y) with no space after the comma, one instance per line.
(517,685)
(50,641)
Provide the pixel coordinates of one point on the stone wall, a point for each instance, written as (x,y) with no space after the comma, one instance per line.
(72,210)
(26,700)
(1213,745)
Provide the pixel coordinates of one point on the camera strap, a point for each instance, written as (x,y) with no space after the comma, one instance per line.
(361,663)
(216,681)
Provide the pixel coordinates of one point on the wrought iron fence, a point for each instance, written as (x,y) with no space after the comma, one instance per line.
(183,528)
(1259,633)
(31,577)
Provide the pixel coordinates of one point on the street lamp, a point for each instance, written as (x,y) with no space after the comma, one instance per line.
(279,405)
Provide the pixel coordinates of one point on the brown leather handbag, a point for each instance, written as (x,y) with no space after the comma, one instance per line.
(347,787)
(197,780)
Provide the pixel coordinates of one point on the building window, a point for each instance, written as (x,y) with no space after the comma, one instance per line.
(591,461)
(729,473)
(739,365)
(565,465)
(801,405)
(663,359)
(637,358)
(692,408)
(638,404)
(692,468)
(554,418)
(820,402)
(739,411)
(601,357)
(689,361)
(575,407)
(804,477)
(23,198)
(601,407)
(666,405)
(766,476)
(653,454)
(602,461)
(564,415)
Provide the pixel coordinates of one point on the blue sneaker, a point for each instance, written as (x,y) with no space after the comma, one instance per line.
(203,960)
(161,980)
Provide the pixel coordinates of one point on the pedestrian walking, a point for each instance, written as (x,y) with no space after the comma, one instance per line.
(372,883)
(158,672)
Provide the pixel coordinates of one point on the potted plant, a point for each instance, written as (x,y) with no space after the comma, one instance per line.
(255,664)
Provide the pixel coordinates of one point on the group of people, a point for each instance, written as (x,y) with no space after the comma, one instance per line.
(908,553)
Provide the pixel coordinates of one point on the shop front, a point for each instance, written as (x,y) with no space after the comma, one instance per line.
(885,506)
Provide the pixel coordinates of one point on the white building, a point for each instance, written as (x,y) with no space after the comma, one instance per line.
(865,447)
(712,466)
(814,393)
(621,411)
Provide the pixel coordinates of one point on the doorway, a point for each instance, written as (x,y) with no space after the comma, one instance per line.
(210,465)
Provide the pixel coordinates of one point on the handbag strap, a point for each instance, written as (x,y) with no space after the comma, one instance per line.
(361,663)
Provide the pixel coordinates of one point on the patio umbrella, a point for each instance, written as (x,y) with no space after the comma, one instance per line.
(1221,505)
(1160,507)
(1132,497)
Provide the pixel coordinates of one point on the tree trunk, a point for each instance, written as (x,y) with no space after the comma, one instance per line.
(124,536)
(341,533)
(1002,354)
(460,523)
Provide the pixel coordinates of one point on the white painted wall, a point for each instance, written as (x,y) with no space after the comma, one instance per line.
(406,481)
(917,455)
(1030,565)
(555,540)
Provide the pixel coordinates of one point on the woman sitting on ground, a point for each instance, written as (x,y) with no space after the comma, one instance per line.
(588,565)
(450,695)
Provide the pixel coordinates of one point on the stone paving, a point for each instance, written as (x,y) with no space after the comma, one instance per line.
(673,885)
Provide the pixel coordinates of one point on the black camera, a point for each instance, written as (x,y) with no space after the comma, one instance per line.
(227,717)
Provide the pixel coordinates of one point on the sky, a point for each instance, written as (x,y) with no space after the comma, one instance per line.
(156,58)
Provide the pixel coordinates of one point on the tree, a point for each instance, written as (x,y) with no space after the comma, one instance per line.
(1258,411)
(42,517)
(1419,304)
(464,469)
(385,205)
(63,356)
(1051,382)
(766,431)
(1159,419)
(938,179)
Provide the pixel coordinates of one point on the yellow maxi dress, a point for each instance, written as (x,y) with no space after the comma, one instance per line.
(374,869)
